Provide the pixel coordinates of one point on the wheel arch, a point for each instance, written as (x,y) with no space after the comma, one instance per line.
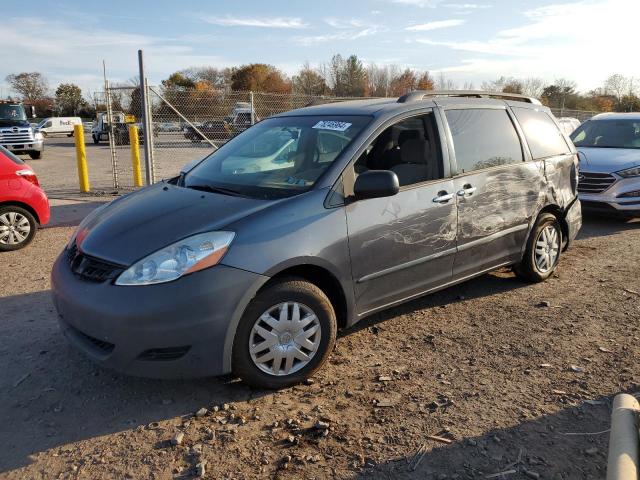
(26,206)
(560,214)
(319,275)
(325,280)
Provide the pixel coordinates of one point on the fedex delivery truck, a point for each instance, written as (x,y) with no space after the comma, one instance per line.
(58,126)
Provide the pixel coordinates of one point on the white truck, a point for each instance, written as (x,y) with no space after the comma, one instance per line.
(242,117)
(16,133)
(100,130)
(58,126)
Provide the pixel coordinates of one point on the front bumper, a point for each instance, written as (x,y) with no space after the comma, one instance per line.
(31,146)
(180,329)
(610,202)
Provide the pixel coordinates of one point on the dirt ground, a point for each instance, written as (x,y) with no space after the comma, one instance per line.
(510,377)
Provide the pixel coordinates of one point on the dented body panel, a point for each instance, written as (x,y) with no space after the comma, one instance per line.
(368,253)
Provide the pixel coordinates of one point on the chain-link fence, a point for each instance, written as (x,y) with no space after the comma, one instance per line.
(191,123)
(187,124)
(581,115)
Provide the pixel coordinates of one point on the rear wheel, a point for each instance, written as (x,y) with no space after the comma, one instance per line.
(95,139)
(543,250)
(35,155)
(285,335)
(17,228)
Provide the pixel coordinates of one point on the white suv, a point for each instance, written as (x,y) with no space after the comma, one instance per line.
(609,150)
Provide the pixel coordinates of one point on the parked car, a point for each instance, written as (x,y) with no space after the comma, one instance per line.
(568,124)
(23,204)
(58,126)
(213,130)
(252,271)
(609,146)
(168,127)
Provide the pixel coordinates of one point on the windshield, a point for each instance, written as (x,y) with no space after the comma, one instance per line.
(608,134)
(10,111)
(277,157)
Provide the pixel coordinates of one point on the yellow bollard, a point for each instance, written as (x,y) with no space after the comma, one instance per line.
(135,155)
(81,158)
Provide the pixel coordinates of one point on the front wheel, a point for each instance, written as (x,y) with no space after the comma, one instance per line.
(285,335)
(17,228)
(542,253)
(35,155)
(96,140)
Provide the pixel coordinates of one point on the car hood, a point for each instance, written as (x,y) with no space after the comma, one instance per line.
(607,160)
(145,221)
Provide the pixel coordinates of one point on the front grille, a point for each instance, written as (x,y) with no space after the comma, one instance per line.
(23,135)
(90,268)
(104,347)
(163,354)
(594,182)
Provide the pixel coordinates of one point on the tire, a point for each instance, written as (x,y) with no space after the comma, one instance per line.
(7,220)
(311,301)
(44,134)
(96,140)
(530,268)
(35,155)
(70,134)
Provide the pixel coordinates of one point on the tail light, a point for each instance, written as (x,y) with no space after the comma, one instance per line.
(29,176)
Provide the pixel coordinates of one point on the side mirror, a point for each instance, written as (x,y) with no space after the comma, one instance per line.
(33,111)
(376,184)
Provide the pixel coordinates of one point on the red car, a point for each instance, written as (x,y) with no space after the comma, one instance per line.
(23,204)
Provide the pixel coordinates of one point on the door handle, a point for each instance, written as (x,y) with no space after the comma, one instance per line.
(466,191)
(443,197)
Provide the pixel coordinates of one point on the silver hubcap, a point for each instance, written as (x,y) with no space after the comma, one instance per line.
(284,338)
(547,248)
(14,228)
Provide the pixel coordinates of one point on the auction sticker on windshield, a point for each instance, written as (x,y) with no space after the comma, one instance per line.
(332,125)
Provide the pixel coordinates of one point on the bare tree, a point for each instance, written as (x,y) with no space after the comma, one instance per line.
(617,85)
(533,87)
(444,83)
(32,86)
(309,81)
(379,78)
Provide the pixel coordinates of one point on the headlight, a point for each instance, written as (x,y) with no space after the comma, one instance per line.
(38,136)
(630,172)
(181,258)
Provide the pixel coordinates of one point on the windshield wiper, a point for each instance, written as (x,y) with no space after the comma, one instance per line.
(213,189)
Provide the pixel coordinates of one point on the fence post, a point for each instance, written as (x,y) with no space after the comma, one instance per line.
(146,123)
(253,112)
(112,144)
(135,155)
(81,158)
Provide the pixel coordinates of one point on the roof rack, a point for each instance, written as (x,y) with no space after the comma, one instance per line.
(418,95)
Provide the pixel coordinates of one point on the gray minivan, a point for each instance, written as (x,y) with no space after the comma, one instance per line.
(253,257)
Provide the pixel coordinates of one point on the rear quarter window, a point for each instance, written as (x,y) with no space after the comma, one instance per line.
(542,134)
(483,138)
(10,156)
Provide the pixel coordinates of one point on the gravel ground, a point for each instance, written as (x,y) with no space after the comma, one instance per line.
(491,376)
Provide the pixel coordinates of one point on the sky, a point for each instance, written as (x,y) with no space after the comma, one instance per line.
(584,41)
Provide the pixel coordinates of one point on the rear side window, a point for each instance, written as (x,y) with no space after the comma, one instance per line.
(483,138)
(542,134)
(10,156)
